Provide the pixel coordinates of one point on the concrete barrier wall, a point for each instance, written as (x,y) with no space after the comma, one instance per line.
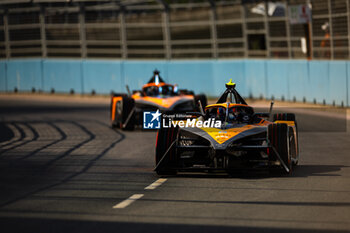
(62,75)
(312,81)
(3,80)
(23,75)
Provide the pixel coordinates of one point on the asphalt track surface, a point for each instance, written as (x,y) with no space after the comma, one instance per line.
(63,169)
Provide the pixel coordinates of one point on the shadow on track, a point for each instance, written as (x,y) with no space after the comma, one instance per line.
(299,171)
(6,133)
(35,171)
(44,225)
(22,138)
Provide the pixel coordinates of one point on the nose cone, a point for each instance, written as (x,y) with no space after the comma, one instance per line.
(166,103)
(223,135)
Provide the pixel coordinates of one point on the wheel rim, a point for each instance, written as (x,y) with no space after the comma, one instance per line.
(293,146)
(119,113)
(290,151)
(119,108)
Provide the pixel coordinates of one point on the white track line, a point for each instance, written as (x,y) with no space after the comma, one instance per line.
(128,201)
(135,197)
(155,184)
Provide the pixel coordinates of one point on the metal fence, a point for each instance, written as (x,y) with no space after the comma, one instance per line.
(165,29)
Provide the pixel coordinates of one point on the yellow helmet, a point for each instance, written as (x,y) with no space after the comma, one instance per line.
(230,84)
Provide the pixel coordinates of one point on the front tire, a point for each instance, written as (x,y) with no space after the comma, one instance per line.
(278,136)
(112,107)
(123,109)
(165,138)
(284,117)
(290,117)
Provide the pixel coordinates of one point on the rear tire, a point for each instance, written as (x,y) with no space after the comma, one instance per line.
(128,106)
(290,117)
(165,138)
(123,109)
(278,135)
(115,124)
(284,117)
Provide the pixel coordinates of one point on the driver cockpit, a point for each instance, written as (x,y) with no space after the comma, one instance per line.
(160,89)
(230,113)
(156,86)
(230,108)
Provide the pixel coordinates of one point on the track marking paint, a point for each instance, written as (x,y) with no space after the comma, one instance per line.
(155,184)
(128,201)
(135,197)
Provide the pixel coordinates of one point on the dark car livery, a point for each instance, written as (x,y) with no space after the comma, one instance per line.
(245,139)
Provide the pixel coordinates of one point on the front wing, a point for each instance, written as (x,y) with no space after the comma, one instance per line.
(271,151)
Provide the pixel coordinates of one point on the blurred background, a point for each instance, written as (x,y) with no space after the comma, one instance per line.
(85,46)
(163,29)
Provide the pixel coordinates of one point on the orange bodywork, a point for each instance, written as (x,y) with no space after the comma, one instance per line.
(163,102)
(264,123)
(222,135)
(224,105)
(290,123)
(155,85)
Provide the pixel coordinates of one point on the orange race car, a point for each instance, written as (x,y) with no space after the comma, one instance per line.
(228,136)
(127,109)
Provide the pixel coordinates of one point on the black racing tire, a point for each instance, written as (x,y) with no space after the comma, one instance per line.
(290,117)
(294,146)
(165,138)
(284,117)
(203,100)
(128,106)
(122,112)
(115,124)
(278,136)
